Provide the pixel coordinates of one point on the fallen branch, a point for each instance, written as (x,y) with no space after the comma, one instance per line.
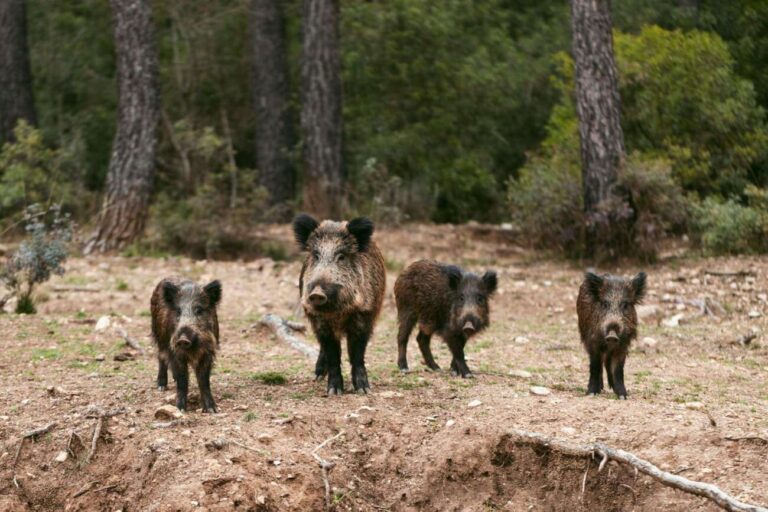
(326,466)
(709,491)
(85,489)
(131,342)
(738,273)
(100,416)
(285,333)
(757,439)
(85,289)
(32,434)
(70,448)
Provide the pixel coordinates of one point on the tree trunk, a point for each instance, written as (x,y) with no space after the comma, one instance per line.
(131,172)
(271,101)
(15,76)
(597,104)
(321,109)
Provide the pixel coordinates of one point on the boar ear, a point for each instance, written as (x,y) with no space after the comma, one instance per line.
(213,291)
(594,283)
(638,287)
(362,229)
(303,226)
(454,276)
(490,281)
(170,292)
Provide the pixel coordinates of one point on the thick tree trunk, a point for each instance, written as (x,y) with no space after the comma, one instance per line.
(132,165)
(271,100)
(15,76)
(597,103)
(321,109)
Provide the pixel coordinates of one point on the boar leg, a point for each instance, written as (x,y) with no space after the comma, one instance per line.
(321,366)
(424,342)
(403,333)
(181,376)
(617,366)
(459,365)
(608,370)
(330,345)
(358,334)
(203,373)
(162,372)
(595,375)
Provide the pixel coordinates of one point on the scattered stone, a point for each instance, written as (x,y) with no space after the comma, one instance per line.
(264,438)
(450,423)
(125,356)
(390,394)
(474,403)
(520,374)
(694,406)
(216,444)
(522,340)
(649,313)
(762,297)
(568,430)
(102,324)
(540,391)
(240,408)
(168,412)
(100,357)
(648,343)
(61,456)
(754,314)
(674,321)
(158,444)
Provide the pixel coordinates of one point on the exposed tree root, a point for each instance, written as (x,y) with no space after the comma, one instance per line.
(326,466)
(284,331)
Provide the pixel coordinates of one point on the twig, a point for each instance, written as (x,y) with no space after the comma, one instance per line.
(86,488)
(705,490)
(284,332)
(32,434)
(584,480)
(128,340)
(96,435)
(86,289)
(739,273)
(241,445)
(747,438)
(326,466)
(73,436)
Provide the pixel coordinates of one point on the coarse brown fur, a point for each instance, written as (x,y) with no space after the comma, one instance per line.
(185,328)
(342,286)
(608,324)
(443,300)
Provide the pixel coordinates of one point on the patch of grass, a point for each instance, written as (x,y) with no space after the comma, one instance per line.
(145,313)
(301,395)
(138,249)
(47,354)
(80,315)
(408,383)
(76,280)
(121,285)
(250,416)
(269,378)
(274,250)
(393,265)
(25,306)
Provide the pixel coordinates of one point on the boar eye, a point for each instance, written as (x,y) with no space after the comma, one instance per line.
(461,298)
(341,257)
(606,304)
(316,254)
(480,299)
(625,305)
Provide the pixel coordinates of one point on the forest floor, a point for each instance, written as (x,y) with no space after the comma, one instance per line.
(698,402)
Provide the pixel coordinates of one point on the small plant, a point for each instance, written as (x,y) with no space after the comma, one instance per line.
(121,285)
(38,257)
(270,378)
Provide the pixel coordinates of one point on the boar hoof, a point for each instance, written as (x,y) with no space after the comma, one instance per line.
(622,397)
(209,410)
(162,388)
(592,394)
(362,391)
(404,371)
(334,391)
(468,375)
(433,368)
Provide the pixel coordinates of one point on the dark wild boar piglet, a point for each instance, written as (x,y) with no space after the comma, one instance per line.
(185,329)
(608,324)
(443,300)
(342,288)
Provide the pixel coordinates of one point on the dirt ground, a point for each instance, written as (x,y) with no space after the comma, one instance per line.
(698,401)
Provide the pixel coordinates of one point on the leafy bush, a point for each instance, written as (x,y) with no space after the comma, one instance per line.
(38,257)
(729,227)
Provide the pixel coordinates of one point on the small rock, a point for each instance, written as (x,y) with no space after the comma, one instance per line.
(450,423)
(264,438)
(216,444)
(522,340)
(674,321)
(240,407)
(125,356)
(568,430)
(158,444)
(61,456)
(390,394)
(695,406)
(102,324)
(186,433)
(261,500)
(521,374)
(648,343)
(168,412)
(100,357)
(540,391)
(762,297)
(474,403)
(754,314)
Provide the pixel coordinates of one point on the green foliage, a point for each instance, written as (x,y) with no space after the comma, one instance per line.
(39,256)
(270,378)
(728,227)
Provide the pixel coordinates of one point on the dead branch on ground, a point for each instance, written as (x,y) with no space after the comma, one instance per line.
(326,466)
(32,434)
(284,331)
(131,342)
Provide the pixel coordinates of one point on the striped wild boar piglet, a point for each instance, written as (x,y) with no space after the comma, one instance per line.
(185,329)
(342,288)
(443,300)
(608,324)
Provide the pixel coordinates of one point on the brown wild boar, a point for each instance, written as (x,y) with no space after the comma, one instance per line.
(608,324)
(185,329)
(342,288)
(443,300)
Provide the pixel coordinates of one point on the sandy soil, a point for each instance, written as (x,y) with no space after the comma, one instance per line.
(414,443)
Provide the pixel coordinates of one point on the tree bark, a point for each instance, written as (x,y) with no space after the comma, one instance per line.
(597,103)
(271,100)
(323,189)
(16,100)
(130,177)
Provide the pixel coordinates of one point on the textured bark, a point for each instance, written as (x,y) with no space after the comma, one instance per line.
(16,100)
(271,100)
(132,164)
(321,109)
(597,99)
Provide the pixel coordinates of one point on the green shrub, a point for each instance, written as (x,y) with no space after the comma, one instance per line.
(728,227)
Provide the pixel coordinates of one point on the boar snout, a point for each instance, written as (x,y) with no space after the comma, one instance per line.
(469,328)
(185,339)
(323,295)
(612,332)
(317,297)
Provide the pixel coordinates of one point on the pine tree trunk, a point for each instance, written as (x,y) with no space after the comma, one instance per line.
(597,103)
(271,100)
(321,109)
(16,101)
(131,172)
